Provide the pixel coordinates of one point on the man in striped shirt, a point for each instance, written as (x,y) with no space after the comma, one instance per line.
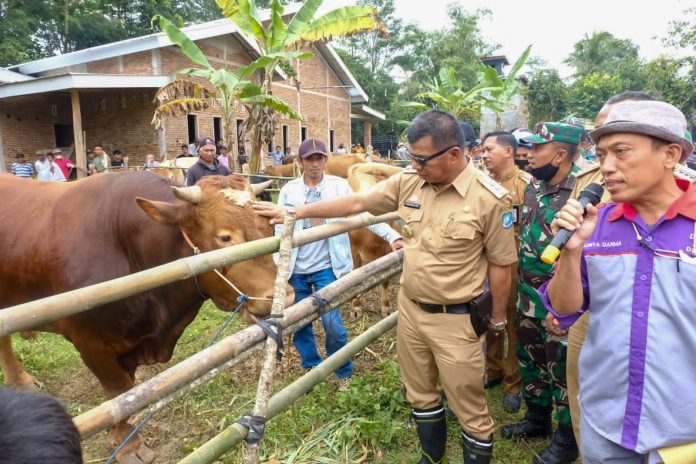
(21,168)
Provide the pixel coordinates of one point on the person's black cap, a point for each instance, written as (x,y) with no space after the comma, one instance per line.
(469,135)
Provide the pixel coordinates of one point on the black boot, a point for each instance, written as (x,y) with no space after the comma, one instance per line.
(536,423)
(432,433)
(561,450)
(476,451)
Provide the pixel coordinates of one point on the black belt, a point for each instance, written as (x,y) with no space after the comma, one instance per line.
(459,308)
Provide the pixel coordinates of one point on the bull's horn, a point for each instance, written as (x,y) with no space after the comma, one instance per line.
(189,194)
(259,188)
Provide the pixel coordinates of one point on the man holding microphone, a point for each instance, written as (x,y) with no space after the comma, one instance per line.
(632,264)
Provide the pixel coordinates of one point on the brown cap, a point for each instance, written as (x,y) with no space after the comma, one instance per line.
(312,147)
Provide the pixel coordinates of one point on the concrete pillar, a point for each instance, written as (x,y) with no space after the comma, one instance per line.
(3,166)
(367,132)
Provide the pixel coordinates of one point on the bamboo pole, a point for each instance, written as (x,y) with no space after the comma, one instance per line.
(263,391)
(36,313)
(80,153)
(232,435)
(208,363)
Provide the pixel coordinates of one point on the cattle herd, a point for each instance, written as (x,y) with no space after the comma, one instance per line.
(117,224)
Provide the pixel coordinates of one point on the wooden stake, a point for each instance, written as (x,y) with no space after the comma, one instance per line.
(263,392)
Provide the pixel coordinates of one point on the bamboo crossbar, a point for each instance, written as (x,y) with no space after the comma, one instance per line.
(36,313)
(173,383)
(217,446)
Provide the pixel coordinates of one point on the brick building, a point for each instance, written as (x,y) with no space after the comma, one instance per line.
(105,95)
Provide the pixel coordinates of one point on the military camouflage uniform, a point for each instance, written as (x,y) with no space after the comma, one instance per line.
(542,355)
(502,363)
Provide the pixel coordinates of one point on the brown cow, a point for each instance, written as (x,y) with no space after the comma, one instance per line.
(57,237)
(364,245)
(338,165)
(335,166)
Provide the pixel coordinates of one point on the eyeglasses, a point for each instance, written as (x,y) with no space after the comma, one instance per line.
(422,160)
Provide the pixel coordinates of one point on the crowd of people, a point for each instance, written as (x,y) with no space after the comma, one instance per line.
(603,336)
(599,336)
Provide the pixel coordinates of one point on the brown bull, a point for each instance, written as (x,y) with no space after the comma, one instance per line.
(364,245)
(339,165)
(57,237)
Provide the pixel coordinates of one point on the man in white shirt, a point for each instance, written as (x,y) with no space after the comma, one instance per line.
(316,265)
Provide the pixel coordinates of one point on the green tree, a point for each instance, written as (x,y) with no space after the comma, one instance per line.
(33,29)
(458,46)
(673,81)
(183,95)
(372,58)
(588,93)
(547,97)
(18,25)
(275,39)
(504,89)
(683,31)
(603,53)
(448,93)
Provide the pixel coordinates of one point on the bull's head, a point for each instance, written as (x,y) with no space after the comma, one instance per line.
(216,213)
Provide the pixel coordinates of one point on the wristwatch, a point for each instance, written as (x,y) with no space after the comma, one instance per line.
(498,327)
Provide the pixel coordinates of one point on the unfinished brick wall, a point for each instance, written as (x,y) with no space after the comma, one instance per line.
(120,118)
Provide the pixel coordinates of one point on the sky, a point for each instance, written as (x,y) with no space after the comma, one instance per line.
(552,26)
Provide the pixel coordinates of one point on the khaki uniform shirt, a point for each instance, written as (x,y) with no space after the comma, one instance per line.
(450,235)
(515,183)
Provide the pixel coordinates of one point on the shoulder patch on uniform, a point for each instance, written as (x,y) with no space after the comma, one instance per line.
(492,186)
(508,219)
(525,176)
(685,172)
(590,167)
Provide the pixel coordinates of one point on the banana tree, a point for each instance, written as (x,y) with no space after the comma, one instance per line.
(279,41)
(196,89)
(447,93)
(503,90)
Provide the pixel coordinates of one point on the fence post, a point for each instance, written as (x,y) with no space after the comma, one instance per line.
(263,391)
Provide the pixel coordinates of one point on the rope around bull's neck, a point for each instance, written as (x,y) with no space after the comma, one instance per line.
(197,251)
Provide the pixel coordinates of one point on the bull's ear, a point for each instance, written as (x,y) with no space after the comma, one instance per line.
(159,211)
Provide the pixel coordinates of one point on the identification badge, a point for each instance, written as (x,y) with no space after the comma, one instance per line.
(515,213)
(412,204)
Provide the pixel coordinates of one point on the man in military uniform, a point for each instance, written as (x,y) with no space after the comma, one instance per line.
(499,150)
(542,354)
(457,232)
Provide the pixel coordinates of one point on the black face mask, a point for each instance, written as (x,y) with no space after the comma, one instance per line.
(545,172)
(522,164)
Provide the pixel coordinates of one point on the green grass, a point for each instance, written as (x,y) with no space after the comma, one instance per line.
(368,423)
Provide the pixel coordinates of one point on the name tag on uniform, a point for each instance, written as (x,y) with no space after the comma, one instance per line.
(412,204)
(515,213)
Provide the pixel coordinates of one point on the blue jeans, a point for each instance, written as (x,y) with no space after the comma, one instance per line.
(336,335)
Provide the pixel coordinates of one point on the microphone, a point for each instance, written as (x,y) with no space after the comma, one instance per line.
(591,194)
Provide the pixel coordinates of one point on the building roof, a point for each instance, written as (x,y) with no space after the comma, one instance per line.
(81,81)
(364,112)
(136,44)
(210,29)
(9,77)
(495,58)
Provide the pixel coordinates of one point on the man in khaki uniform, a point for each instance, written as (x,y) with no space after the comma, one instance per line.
(499,153)
(457,231)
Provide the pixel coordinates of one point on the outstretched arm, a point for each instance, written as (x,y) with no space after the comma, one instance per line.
(337,207)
